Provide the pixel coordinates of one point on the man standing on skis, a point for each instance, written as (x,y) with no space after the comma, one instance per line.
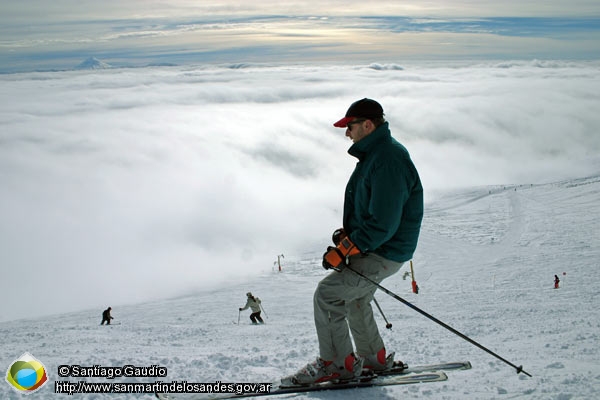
(383,209)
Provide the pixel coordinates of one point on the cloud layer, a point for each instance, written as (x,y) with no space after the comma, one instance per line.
(131,184)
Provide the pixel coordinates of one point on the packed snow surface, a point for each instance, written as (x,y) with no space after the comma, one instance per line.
(485,265)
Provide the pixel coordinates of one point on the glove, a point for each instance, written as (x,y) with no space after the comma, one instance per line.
(338,235)
(337,257)
(240,308)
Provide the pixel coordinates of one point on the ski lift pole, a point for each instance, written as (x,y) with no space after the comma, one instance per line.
(434,319)
(387,323)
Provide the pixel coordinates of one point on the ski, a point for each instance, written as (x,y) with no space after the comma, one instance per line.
(276,389)
(403,369)
(400,374)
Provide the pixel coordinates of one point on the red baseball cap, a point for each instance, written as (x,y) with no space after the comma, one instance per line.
(365,108)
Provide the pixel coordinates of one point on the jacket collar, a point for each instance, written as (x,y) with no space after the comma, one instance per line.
(366,144)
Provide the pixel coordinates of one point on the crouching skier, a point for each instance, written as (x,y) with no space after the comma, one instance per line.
(254,304)
(383,209)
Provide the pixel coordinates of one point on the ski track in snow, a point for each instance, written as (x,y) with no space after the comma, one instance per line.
(485,266)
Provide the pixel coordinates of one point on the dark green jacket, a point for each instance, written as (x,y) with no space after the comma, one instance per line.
(383,205)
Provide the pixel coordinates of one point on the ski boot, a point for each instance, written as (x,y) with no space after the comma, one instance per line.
(323,371)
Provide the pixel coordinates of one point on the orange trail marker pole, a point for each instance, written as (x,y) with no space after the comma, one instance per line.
(415,287)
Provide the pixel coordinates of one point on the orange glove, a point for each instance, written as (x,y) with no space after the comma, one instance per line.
(336,257)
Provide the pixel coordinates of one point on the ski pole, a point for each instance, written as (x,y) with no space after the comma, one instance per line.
(261,307)
(387,323)
(431,317)
(239,313)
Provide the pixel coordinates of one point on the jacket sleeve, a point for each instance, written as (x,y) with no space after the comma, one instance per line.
(247,305)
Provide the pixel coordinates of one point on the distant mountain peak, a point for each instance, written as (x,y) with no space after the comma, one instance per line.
(93,63)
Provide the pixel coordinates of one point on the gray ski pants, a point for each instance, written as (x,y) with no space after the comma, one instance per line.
(342,300)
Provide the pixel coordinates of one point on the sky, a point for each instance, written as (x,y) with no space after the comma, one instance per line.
(125,184)
(42,35)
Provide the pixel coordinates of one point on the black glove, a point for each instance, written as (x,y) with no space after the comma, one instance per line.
(338,235)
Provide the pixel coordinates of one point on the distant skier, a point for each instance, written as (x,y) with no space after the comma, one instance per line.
(106,317)
(556,281)
(254,304)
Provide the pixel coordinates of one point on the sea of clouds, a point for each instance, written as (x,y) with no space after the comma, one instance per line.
(125,185)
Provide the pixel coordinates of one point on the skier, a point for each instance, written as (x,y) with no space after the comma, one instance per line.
(383,209)
(556,281)
(254,304)
(106,317)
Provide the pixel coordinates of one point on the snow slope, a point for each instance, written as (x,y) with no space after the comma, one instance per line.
(485,265)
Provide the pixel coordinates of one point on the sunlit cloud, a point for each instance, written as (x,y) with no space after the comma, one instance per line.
(133,33)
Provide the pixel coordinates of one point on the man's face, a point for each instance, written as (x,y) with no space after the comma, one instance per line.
(356,130)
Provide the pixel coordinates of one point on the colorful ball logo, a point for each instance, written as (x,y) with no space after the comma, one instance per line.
(26,374)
